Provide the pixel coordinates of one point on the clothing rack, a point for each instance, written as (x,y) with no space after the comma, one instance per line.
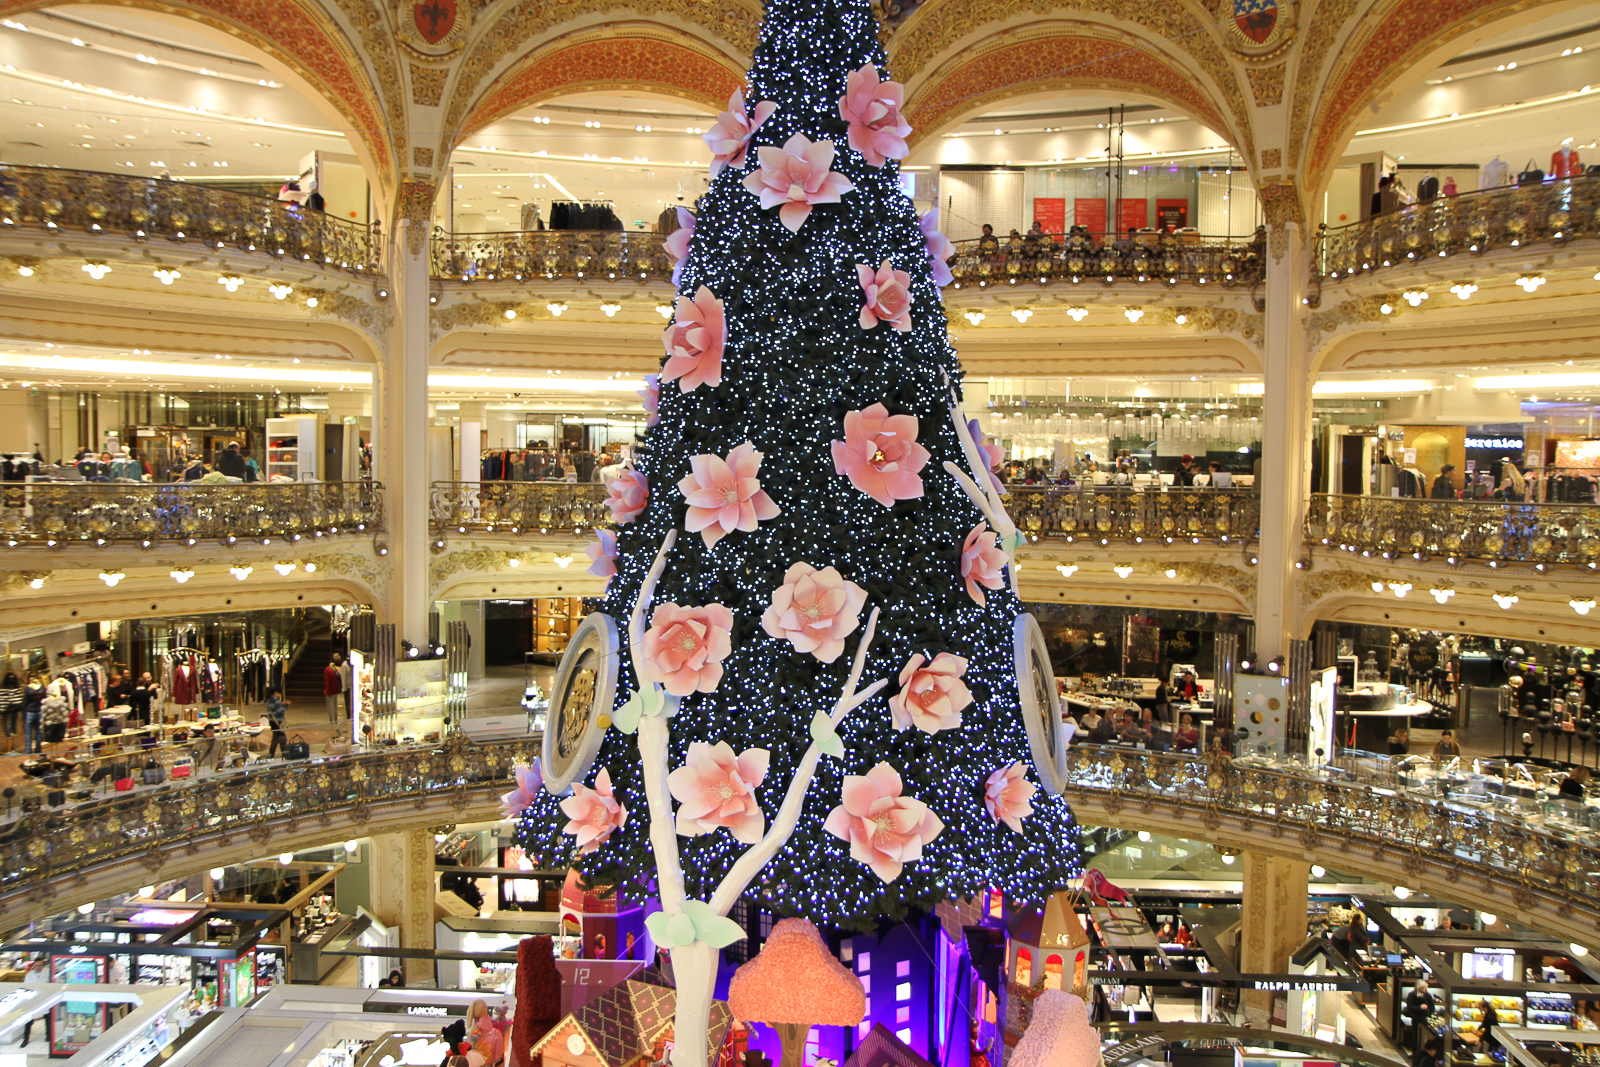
(259,671)
(584,215)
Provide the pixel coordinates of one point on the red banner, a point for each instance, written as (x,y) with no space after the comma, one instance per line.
(1051,213)
(1132,214)
(1090,214)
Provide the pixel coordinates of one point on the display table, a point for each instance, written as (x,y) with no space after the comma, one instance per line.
(307,962)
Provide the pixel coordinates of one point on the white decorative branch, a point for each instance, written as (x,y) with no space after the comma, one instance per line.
(983,495)
(653,750)
(748,865)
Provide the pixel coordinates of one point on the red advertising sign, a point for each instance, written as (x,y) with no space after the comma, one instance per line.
(1174,213)
(1051,213)
(1132,214)
(1090,214)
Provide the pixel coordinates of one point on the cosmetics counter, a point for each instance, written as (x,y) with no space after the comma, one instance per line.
(95,1025)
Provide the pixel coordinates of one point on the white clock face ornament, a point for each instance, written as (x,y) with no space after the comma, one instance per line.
(1041,710)
(584,690)
(575,1044)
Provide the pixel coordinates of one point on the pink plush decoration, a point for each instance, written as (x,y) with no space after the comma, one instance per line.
(990,451)
(684,647)
(872,108)
(880,454)
(795,984)
(725,495)
(1101,889)
(885,830)
(1008,795)
(626,496)
(1058,1034)
(530,780)
(694,341)
(716,788)
(677,243)
(982,562)
(815,610)
(603,551)
(931,697)
(887,295)
(797,176)
(650,396)
(594,813)
(730,135)
(939,248)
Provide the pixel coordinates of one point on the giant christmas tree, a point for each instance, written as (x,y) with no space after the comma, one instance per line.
(818,640)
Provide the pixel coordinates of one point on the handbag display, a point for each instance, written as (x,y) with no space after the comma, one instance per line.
(154,773)
(183,769)
(124,785)
(338,748)
(215,710)
(297,748)
(1531,176)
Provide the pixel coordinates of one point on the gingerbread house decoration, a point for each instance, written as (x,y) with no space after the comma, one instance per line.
(881,1048)
(1047,949)
(629,1025)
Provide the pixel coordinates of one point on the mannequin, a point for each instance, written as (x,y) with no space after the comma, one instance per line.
(1564,163)
(1495,173)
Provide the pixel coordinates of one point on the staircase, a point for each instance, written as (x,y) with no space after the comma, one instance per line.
(304,681)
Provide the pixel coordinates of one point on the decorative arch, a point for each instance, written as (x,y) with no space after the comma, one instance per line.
(1058,57)
(637,58)
(302,38)
(1394,44)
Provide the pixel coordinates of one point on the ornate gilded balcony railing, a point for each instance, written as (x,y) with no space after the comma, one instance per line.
(1457,530)
(155,209)
(574,254)
(1132,515)
(1513,216)
(64,513)
(1108,513)
(1540,852)
(1107,258)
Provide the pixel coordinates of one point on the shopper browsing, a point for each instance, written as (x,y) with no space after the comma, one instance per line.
(277,713)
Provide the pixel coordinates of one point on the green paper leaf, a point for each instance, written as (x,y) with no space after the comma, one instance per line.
(826,737)
(626,718)
(1015,541)
(680,930)
(657,925)
(649,701)
(713,929)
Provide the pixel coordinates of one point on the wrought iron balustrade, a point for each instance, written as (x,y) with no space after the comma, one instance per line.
(58,513)
(516,506)
(1513,216)
(1107,258)
(572,254)
(124,205)
(1457,529)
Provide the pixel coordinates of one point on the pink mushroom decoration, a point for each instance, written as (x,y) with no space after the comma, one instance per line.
(795,984)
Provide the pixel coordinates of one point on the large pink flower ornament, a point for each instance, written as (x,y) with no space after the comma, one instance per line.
(815,610)
(626,496)
(594,814)
(725,495)
(684,647)
(982,562)
(880,454)
(602,551)
(939,248)
(650,396)
(694,341)
(797,176)
(990,451)
(677,243)
(530,780)
(716,788)
(931,697)
(885,830)
(887,296)
(1008,795)
(872,108)
(730,135)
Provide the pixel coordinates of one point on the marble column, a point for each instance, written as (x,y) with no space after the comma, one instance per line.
(402,889)
(1273,926)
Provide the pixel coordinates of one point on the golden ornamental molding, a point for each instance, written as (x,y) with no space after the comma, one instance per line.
(1258,31)
(1266,85)
(1353,312)
(415,209)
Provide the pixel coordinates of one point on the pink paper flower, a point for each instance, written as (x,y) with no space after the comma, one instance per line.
(887,294)
(931,697)
(530,780)
(603,552)
(594,814)
(1008,795)
(650,395)
(872,108)
(725,495)
(796,176)
(815,610)
(885,830)
(677,243)
(880,454)
(716,788)
(684,647)
(982,562)
(990,451)
(730,135)
(626,496)
(694,341)
(939,248)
